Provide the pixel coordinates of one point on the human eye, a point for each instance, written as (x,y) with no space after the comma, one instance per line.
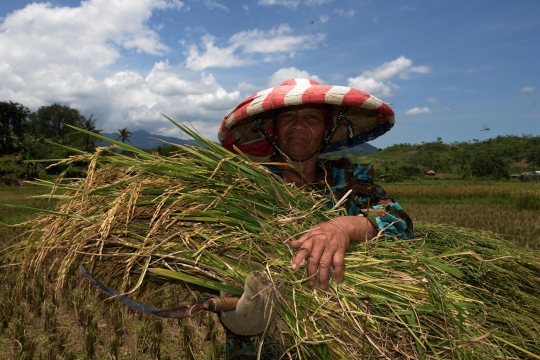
(314,117)
(286,115)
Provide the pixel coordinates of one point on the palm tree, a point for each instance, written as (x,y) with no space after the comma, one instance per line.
(89,125)
(124,134)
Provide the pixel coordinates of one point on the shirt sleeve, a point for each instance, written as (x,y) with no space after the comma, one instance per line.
(392,220)
(369,199)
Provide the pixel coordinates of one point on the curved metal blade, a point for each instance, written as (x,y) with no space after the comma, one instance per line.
(177,313)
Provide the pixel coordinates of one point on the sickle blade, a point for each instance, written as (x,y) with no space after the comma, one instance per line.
(176,313)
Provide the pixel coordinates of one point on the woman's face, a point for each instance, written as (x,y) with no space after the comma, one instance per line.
(300,130)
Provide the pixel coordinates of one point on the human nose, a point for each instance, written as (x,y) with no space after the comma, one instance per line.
(298,122)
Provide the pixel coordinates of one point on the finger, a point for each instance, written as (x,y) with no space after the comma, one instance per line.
(324,269)
(298,242)
(314,261)
(339,265)
(302,254)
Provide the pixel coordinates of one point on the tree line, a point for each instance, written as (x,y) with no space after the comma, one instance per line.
(495,158)
(44,134)
(27,136)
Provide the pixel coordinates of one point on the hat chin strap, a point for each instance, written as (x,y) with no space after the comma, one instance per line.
(258,126)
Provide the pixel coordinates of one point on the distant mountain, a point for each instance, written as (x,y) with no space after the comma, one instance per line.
(144,140)
(362,149)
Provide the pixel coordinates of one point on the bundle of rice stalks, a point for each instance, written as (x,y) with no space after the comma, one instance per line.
(205,218)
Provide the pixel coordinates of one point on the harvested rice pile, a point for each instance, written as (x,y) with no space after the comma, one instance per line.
(205,218)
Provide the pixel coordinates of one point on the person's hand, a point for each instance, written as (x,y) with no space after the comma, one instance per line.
(256,308)
(325,244)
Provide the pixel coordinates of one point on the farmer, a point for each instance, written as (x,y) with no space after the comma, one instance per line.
(292,124)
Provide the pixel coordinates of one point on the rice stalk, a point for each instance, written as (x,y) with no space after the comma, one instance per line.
(205,218)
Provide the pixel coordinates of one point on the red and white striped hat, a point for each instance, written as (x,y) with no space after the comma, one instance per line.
(371,117)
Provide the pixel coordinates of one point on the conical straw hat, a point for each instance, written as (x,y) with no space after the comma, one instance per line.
(371,116)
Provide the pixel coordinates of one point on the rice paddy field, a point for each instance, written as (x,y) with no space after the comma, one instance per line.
(46,316)
(509,208)
(37,322)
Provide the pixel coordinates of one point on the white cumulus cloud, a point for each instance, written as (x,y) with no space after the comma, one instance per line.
(373,86)
(70,55)
(278,39)
(49,43)
(138,102)
(291,73)
(60,54)
(213,56)
(418,111)
(244,46)
(401,67)
(247,88)
(376,81)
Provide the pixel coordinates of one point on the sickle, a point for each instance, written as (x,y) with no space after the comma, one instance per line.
(212,304)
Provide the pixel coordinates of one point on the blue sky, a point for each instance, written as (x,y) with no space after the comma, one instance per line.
(449,69)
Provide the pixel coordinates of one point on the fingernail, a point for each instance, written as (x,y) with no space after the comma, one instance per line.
(293,266)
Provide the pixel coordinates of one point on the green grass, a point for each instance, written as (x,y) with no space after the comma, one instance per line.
(22,197)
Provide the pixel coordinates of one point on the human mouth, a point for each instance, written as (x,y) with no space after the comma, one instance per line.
(297,139)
